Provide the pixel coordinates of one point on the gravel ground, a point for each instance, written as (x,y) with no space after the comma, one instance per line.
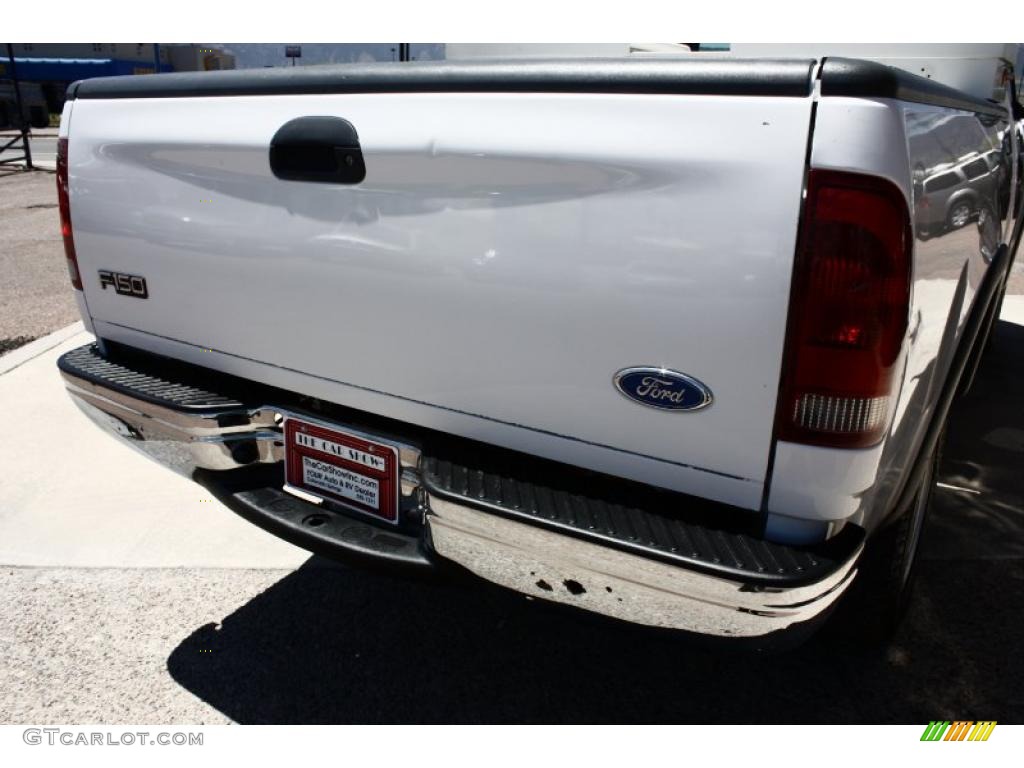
(91,645)
(35,295)
(332,645)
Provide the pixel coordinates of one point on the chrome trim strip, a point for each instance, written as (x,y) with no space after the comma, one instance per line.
(527,427)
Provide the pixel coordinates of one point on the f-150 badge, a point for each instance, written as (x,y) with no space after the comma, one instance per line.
(662,388)
(126,285)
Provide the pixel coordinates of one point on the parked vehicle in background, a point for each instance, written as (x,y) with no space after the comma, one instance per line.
(672,340)
(950,194)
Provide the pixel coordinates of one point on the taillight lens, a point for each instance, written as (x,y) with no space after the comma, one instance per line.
(848,311)
(64,202)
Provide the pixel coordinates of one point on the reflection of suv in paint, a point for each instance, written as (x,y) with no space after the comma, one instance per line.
(949,198)
(650,337)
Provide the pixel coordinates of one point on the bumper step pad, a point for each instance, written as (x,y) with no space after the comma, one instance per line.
(657,534)
(174,388)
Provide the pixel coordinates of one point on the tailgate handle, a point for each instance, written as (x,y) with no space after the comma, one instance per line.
(320,149)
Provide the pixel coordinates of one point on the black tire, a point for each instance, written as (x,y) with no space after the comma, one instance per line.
(877,601)
(959,215)
(982,346)
(995,317)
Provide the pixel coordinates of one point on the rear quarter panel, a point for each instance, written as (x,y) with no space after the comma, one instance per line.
(901,142)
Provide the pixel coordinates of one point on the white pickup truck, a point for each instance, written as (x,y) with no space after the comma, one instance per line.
(670,340)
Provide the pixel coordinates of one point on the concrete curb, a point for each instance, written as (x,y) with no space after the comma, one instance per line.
(34,349)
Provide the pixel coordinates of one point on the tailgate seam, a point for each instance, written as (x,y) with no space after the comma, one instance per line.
(441,407)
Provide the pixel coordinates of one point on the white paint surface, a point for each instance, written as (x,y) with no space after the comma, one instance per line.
(504,257)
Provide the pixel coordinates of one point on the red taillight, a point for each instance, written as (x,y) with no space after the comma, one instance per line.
(64,203)
(848,311)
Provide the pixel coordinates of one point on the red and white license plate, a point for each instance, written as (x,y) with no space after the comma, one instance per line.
(342,467)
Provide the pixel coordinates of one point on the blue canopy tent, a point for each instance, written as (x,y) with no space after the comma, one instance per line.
(69,70)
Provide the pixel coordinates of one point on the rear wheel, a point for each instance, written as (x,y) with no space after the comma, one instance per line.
(982,345)
(959,215)
(879,597)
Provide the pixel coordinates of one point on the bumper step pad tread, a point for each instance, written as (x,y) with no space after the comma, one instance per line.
(88,363)
(724,553)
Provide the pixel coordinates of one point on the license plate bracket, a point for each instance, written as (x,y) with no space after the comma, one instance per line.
(343,467)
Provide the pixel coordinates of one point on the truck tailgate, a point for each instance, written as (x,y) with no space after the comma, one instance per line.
(505,256)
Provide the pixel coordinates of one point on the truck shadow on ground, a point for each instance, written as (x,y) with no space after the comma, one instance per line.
(335,645)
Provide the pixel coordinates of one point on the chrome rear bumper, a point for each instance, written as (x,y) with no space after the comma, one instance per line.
(534,560)
(216,440)
(566,570)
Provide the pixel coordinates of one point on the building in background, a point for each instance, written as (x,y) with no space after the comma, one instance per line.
(33,105)
(47,69)
(259,55)
(575,50)
(194,57)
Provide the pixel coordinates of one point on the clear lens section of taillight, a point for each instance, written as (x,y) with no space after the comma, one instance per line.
(840,415)
(848,311)
(64,203)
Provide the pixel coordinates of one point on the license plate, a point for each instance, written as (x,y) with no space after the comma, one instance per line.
(342,467)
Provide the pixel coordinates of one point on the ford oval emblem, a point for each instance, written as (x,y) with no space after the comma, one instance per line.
(662,388)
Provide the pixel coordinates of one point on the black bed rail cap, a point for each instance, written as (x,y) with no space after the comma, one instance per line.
(870,79)
(711,76)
